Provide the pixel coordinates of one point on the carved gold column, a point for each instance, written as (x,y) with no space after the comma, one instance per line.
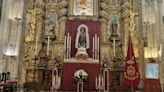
(125,8)
(39,4)
(105,47)
(62,19)
(129,25)
(104,17)
(34,35)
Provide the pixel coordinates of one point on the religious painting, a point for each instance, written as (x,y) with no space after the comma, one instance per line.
(83,7)
(152,71)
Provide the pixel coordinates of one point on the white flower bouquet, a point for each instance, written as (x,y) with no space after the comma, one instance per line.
(80,75)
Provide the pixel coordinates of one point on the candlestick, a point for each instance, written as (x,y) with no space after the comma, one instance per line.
(98,47)
(96,41)
(56,77)
(102,82)
(93,47)
(70,47)
(114,47)
(59,81)
(48,45)
(96,82)
(125,48)
(65,47)
(53,77)
(36,45)
(99,80)
(105,78)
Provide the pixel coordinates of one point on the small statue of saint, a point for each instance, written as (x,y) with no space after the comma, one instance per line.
(114,27)
(82,42)
(114,24)
(82,37)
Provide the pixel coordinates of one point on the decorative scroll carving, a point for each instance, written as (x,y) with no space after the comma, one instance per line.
(128,15)
(104,17)
(62,18)
(34,32)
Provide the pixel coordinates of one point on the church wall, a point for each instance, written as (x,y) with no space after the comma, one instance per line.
(4,31)
(152,15)
(11,26)
(162,45)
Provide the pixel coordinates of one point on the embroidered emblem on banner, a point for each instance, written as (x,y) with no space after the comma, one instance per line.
(131,73)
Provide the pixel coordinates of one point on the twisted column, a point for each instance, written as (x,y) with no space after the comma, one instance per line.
(125,8)
(62,18)
(104,17)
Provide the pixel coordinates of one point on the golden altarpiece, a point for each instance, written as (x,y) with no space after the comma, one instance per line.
(48,46)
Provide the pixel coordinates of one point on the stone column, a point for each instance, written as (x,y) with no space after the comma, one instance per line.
(141,45)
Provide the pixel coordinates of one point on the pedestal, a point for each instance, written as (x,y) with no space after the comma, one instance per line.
(80,86)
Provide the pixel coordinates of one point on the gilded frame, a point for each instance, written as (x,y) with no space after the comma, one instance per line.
(93,5)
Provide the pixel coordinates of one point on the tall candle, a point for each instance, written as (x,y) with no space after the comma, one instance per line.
(56,70)
(48,45)
(59,81)
(96,83)
(68,40)
(114,47)
(125,48)
(98,47)
(99,80)
(93,46)
(53,77)
(102,81)
(36,45)
(65,47)
(96,41)
(70,47)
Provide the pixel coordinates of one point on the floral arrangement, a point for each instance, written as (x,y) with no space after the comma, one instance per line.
(80,75)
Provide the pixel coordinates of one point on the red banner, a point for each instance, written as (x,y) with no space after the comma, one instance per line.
(131,72)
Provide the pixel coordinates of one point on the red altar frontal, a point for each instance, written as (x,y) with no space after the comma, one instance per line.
(68,81)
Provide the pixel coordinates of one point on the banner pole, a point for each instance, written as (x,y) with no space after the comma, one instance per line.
(132,88)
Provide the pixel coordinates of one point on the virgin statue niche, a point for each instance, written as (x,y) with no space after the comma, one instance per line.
(82,41)
(114,24)
(82,37)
